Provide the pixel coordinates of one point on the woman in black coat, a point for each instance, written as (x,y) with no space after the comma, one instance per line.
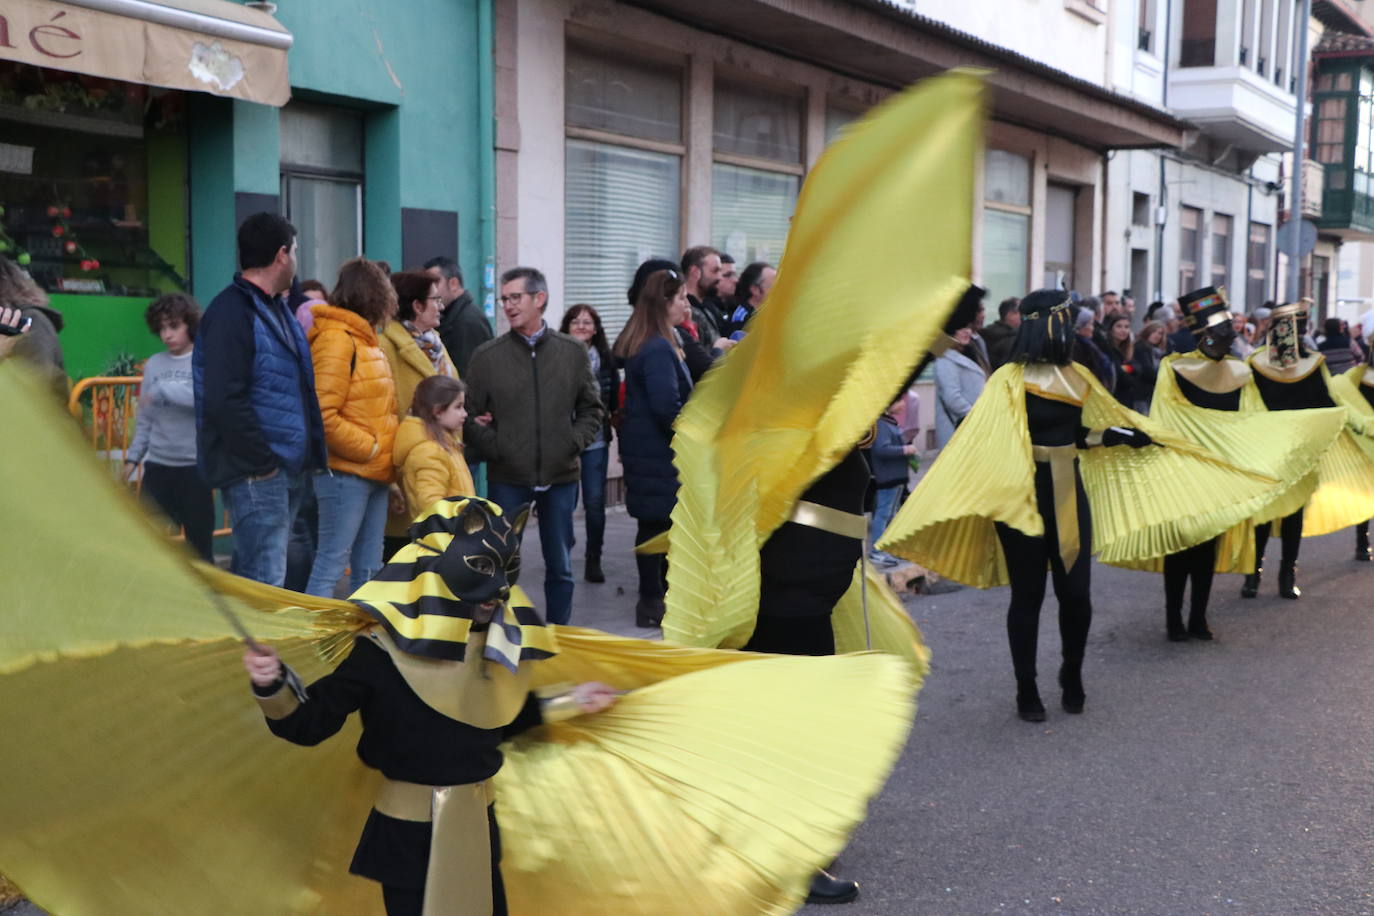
(657,384)
(583,323)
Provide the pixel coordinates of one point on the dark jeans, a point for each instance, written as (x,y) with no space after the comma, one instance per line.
(262,513)
(1196,563)
(184,498)
(594,462)
(653,567)
(555,508)
(1026,559)
(1290,535)
(409,901)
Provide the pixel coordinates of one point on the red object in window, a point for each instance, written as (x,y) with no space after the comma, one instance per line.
(58,232)
(70,247)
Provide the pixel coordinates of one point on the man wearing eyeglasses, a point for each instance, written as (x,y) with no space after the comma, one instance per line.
(533,406)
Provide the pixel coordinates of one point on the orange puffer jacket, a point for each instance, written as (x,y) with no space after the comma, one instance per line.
(357,396)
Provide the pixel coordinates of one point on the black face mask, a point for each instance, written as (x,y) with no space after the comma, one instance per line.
(1216,341)
(482,561)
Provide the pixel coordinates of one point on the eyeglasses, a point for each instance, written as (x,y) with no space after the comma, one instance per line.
(513,297)
(434,299)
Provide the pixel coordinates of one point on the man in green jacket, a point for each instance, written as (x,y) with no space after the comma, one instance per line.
(534,406)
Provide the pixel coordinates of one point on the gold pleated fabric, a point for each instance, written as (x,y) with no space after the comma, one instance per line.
(1146,502)
(1284,445)
(1345,488)
(141,779)
(876,258)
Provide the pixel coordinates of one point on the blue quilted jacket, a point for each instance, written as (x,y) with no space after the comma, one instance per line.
(256,409)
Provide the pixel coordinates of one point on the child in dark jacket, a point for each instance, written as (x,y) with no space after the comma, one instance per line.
(888,456)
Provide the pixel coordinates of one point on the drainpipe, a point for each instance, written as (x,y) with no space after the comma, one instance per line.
(1294,246)
(486,152)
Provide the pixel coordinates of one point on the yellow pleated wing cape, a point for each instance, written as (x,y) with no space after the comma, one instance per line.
(877,256)
(140,777)
(1345,488)
(1146,502)
(1286,446)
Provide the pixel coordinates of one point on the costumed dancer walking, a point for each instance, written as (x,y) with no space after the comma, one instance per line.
(1290,377)
(1355,387)
(1035,476)
(1210,396)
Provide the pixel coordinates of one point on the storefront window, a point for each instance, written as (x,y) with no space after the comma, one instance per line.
(1257,266)
(836,120)
(758,123)
(322,186)
(1060,236)
(757,172)
(1006,224)
(621,209)
(751,210)
(82,208)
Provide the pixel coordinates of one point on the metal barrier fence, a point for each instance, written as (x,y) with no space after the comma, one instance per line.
(107,408)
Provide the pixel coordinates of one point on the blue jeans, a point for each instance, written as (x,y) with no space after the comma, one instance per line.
(261,513)
(885,506)
(352,522)
(555,507)
(594,462)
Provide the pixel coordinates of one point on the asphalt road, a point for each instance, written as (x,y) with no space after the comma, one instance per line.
(1228,777)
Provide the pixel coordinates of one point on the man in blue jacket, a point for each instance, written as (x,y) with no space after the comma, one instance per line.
(258,426)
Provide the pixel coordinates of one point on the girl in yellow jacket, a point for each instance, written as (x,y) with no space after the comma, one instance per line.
(358,406)
(428,456)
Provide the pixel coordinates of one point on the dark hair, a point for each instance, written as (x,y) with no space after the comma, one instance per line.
(364,290)
(433,394)
(643,272)
(533,277)
(1046,332)
(173,307)
(696,256)
(1111,292)
(1007,305)
(650,316)
(726,258)
(1126,347)
(260,237)
(315,284)
(1332,327)
(448,267)
(749,278)
(410,285)
(603,348)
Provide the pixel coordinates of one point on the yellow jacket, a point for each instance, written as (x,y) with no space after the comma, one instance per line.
(409,364)
(357,396)
(428,472)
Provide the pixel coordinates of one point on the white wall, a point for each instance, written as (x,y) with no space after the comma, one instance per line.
(1044,30)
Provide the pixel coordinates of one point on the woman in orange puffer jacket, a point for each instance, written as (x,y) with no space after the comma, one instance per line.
(358,405)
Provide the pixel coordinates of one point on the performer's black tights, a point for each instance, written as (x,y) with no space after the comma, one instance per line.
(1290,535)
(1197,563)
(812,635)
(1362,534)
(1026,560)
(410,901)
(653,568)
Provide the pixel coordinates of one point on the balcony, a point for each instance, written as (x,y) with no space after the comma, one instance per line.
(1235,105)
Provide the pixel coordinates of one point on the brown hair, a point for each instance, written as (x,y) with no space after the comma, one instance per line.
(599,341)
(650,316)
(410,286)
(17,289)
(432,395)
(1146,329)
(363,289)
(1126,347)
(316,285)
(173,307)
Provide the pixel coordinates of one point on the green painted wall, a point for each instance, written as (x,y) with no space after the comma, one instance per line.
(98,328)
(167,200)
(210,137)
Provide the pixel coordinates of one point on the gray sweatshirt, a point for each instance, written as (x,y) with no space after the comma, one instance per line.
(166,430)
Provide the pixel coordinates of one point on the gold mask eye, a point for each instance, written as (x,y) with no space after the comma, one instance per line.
(481,565)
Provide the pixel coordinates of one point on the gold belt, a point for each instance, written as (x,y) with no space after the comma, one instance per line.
(836,521)
(458,877)
(1064,490)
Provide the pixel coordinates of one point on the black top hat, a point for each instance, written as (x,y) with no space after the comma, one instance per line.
(1205,307)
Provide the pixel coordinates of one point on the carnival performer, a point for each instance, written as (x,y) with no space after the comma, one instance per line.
(1032,473)
(1355,388)
(434,710)
(1210,396)
(1290,377)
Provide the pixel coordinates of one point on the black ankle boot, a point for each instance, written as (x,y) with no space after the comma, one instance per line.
(1197,627)
(1028,705)
(1251,586)
(1288,583)
(1362,554)
(1173,625)
(649,612)
(593,571)
(1071,680)
(826,888)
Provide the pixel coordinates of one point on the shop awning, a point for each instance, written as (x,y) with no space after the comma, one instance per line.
(201,45)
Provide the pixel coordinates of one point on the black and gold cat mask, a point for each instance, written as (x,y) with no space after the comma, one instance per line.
(458,570)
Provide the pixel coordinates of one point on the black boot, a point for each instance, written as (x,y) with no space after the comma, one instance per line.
(1251,586)
(1071,680)
(1288,582)
(826,888)
(1197,626)
(1362,554)
(593,571)
(1028,705)
(1173,625)
(648,612)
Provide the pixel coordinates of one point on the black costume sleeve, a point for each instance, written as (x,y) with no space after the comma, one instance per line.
(329,701)
(528,717)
